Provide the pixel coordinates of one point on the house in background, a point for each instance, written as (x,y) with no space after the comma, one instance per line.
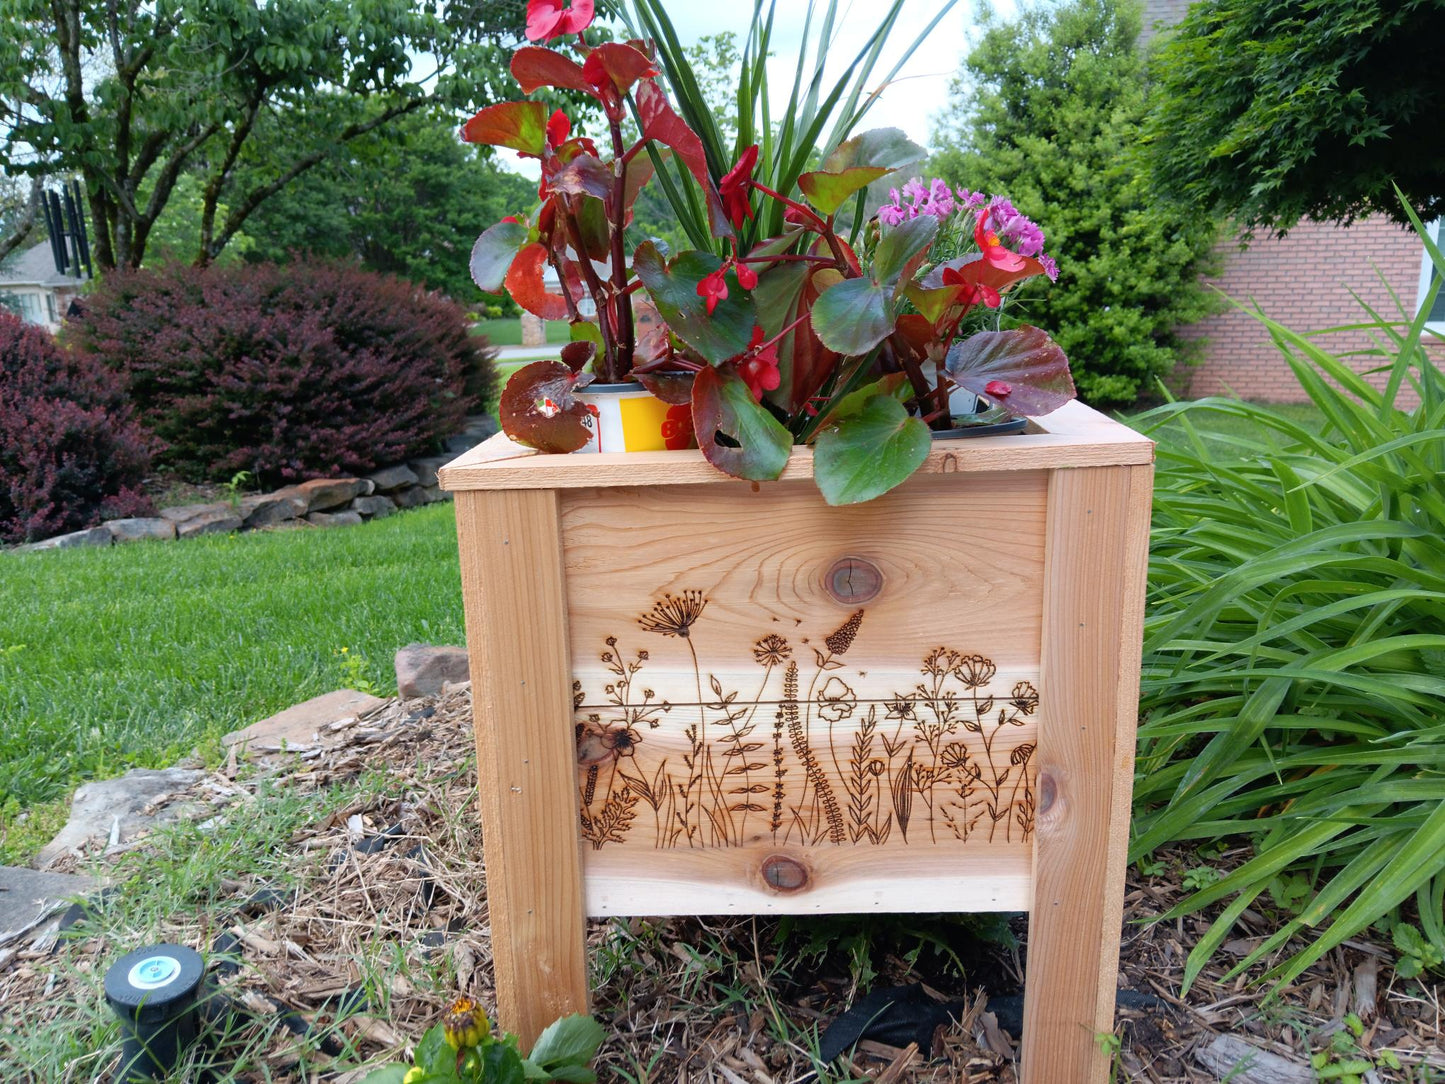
(36,292)
(1307,281)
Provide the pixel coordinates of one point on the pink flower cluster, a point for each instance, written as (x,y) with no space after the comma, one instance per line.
(1016,230)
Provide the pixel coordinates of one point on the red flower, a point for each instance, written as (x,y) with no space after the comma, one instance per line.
(973,292)
(558,129)
(734,187)
(714,288)
(993,249)
(998,389)
(547,19)
(747,277)
(759,369)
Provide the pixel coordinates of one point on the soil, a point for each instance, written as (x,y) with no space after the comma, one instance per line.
(698,999)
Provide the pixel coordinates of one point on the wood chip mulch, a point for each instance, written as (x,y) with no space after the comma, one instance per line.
(388,921)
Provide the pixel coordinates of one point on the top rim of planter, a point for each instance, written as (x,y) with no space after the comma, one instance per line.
(1072,436)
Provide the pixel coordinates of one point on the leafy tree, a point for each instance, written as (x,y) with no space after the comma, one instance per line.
(134,94)
(408,199)
(1047,111)
(1274,110)
(19,211)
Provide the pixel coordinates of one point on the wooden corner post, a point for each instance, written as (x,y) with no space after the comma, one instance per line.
(514,588)
(1096,559)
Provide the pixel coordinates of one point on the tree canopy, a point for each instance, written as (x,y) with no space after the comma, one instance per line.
(408,199)
(1047,112)
(134,94)
(1277,110)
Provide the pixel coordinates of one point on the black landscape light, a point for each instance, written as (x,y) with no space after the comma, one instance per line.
(153,991)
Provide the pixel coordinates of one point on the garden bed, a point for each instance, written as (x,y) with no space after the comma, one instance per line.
(343,895)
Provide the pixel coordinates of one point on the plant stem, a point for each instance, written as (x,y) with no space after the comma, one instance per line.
(621,300)
(598,291)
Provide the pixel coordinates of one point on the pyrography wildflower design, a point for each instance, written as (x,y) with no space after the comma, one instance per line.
(846,763)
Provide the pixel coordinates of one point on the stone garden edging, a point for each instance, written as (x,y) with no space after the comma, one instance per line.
(320,502)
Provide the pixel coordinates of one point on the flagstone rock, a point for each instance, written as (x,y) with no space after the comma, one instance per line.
(301,724)
(422,669)
(181,512)
(375,507)
(27,895)
(122,807)
(427,467)
(334,519)
(93,536)
(269,509)
(392,478)
(323,493)
(141,529)
(222,521)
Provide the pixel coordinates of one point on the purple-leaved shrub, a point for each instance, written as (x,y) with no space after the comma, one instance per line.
(70,452)
(290,372)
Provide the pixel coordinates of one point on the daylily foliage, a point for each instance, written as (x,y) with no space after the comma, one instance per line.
(850,343)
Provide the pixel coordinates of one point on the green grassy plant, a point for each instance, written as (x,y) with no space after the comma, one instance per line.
(1294,666)
(133,655)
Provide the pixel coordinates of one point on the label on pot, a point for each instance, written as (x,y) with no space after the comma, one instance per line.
(635,421)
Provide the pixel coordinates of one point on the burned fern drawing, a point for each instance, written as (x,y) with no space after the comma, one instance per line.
(844,761)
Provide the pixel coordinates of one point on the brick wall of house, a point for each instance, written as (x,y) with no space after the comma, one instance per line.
(1303,281)
(1161,13)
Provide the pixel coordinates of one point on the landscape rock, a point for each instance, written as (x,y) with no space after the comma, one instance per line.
(422,669)
(480,427)
(460,443)
(300,724)
(269,509)
(93,536)
(141,529)
(323,493)
(27,895)
(334,519)
(436,493)
(426,468)
(410,497)
(122,807)
(181,512)
(221,521)
(390,478)
(375,507)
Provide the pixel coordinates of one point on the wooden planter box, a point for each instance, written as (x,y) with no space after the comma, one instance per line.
(695,695)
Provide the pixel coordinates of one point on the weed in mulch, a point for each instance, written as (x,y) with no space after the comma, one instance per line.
(339,892)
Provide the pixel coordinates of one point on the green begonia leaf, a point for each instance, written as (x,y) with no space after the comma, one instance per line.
(865,455)
(521,126)
(494,252)
(673,289)
(736,433)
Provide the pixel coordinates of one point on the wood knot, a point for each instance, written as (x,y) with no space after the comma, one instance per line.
(784,874)
(853,580)
(1048,791)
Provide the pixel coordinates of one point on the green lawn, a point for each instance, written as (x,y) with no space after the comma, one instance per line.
(508,331)
(134,655)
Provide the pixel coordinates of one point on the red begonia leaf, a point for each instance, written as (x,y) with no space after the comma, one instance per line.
(538,408)
(534,67)
(737,434)
(524,283)
(1026,359)
(662,124)
(521,126)
(584,175)
(576,355)
(674,389)
(975,269)
(622,64)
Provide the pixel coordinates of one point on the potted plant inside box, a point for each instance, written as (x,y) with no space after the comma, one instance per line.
(857,345)
(699,687)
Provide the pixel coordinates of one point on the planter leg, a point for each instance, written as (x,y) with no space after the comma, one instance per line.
(1095,565)
(513,586)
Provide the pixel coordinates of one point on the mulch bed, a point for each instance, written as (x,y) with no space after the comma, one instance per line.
(694,999)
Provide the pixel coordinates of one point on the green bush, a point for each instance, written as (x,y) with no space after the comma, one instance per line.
(1294,667)
(1048,111)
